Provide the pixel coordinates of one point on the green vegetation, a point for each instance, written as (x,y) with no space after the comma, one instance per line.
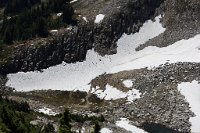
(3,3)
(49,128)
(13,7)
(65,126)
(15,117)
(67,118)
(97,127)
(27,19)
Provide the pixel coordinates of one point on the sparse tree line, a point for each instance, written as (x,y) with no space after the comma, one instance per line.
(15,117)
(27,19)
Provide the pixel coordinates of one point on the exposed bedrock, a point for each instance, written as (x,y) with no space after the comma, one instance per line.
(72,45)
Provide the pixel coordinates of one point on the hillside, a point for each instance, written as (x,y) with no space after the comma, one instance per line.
(135,63)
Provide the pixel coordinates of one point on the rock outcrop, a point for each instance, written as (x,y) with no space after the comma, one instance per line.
(72,45)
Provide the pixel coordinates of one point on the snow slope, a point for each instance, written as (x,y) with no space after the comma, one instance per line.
(124,123)
(181,51)
(191,91)
(74,76)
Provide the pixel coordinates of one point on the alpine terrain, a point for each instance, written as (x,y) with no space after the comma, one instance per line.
(99,66)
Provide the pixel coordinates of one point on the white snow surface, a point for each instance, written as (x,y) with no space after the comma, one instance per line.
(191,91)
(73,1)
(85,19)
(181,51)
(59,14)
(99,18)
(124,123)
(106,130)
(128,83)
(53,31)
(47,111)
(76,75)
(111,93)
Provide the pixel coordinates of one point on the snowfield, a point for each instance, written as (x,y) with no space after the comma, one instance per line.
(191,91)
(124,123)
(74,76)
(181,51)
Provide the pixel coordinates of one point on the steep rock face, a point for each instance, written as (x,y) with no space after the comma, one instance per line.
(71,46)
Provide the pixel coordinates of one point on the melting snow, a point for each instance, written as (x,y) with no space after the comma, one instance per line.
(124,123)
(128,83)
(47,111)
(111,93)
(191,91)
(70,76)
(133,95)
(99,18)
(105,130)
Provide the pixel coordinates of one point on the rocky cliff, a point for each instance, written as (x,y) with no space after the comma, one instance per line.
(72,45)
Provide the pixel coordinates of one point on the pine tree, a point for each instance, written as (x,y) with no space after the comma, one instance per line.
(41,29)
(49,128)
(97,127)
(65,126)
(67,13)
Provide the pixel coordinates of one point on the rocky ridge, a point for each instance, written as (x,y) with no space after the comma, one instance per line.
(161,102)
(71,46)
(181,19)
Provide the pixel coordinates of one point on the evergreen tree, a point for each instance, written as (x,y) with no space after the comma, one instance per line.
(97,127)
(67,13)
(41,29)
(8,37)
(32,18)
(49,128)
(65,126)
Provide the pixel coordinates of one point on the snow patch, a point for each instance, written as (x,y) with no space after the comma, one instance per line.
(73,1)
(111,93)
(105,130)
(84,18)
(47,111)
(133,95)
(128,83)
(99,18)
(191,91)
(124,123)
(59,14)
(53,31)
